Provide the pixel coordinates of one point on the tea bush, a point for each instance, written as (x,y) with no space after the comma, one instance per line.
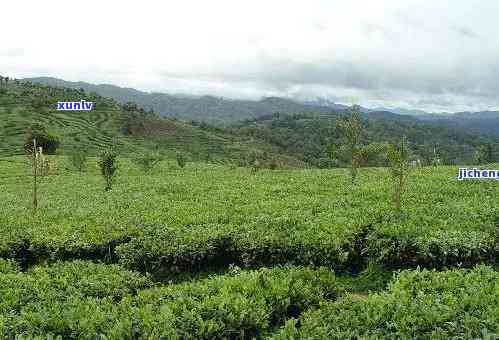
(72,301)
(205,213)
(421,304)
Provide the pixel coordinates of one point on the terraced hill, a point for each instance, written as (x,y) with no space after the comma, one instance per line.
(23,104)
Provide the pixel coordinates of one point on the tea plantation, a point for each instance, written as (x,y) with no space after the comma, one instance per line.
(212,251)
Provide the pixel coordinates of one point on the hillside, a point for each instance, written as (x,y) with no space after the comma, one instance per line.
(205,108)
(314,138)
(223,111)
(481,122)
(24,104)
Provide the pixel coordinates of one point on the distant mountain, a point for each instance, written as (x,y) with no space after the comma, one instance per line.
(204,108)
(223,111)
(401,111)
(484,122)
(325,103)
(317,140)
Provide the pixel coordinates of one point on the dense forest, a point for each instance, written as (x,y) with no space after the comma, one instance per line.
(318,140)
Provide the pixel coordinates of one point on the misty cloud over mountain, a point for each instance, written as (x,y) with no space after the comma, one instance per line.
(434,56)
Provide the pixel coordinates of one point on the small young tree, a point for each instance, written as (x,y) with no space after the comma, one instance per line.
(108,166)
(78,159)
(352,128)
(436,159)
(35,184)
(398,161)
(181,159)
(147,161)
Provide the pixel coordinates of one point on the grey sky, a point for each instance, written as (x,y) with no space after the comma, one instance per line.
(432,55)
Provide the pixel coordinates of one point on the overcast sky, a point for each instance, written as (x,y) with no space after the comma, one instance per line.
(433,55)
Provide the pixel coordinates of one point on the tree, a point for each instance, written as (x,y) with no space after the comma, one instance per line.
(398,161)
(352,129)
(108,167)
(35,158)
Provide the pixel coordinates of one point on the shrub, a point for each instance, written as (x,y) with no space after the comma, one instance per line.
(324,163)
(484,154)
(44,139)
(147,161)
(181,160)
(78,159)
(108,166)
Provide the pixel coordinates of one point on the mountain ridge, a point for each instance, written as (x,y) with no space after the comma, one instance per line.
(223,111)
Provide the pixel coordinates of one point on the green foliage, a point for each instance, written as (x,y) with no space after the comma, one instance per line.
(287,216)
(108,166)
(458,304)
(147,161)
(89,300)
(49,301)
(8,266)
(78,159)
(217,220)
(373,154)
(42,101)
(181,160)
(130,107)
(254,160)
(484,154)
(273,165)
(313,137)
(352,128)
(108,121)
(398,161)
(45,139)
(137,123)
